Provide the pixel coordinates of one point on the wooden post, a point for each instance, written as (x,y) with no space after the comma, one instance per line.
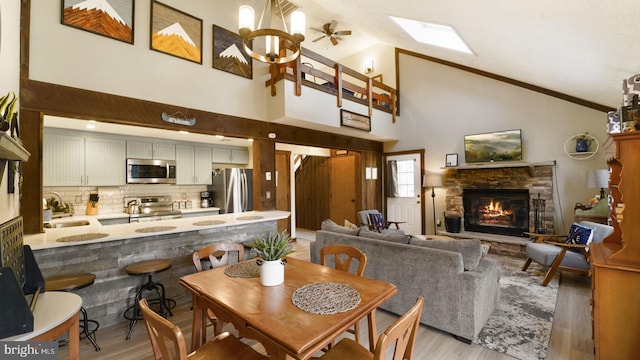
(338,82)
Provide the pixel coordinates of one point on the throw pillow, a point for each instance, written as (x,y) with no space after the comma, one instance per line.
(329,225)
(350,225)
(402,239)
(579,234)
(376,220)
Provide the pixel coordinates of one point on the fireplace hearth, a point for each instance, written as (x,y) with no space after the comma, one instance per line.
(496,211)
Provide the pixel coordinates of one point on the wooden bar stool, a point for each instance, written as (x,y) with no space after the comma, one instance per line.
(148,268)
(72,282)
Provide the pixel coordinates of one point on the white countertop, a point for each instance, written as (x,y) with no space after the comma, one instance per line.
(128,231)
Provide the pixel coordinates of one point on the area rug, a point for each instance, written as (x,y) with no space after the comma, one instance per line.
(521,325)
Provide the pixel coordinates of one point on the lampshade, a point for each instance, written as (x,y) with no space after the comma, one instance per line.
(273,54)
(597,179)
(432,180)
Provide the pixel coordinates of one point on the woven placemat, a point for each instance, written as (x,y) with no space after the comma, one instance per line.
(326,298)
(155,229)
(208,222)
(245,269)
(82,237)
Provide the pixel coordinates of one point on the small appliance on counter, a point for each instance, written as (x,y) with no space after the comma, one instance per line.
(92,205)
(150,208)
(206,199)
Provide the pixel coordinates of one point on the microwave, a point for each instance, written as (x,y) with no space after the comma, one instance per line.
(147,171)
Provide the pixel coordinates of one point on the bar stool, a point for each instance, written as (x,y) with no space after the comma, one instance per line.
(148,268)
(71,282)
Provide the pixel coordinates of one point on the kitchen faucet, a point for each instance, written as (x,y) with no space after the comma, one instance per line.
(58,206)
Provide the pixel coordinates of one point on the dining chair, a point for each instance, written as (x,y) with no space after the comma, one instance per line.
(168,341)
(217,254)
(343,256)
(401,336)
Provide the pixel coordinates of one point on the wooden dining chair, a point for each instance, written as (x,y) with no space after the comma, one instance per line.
(401,336)
(343,256)
(217,254)
(168,341)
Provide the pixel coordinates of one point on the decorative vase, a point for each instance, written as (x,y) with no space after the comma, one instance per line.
(271,272)
(582,145)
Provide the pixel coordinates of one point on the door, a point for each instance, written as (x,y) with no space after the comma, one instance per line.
(404,194)
(343,189)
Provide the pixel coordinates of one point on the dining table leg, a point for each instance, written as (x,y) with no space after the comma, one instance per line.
(74,338)
(372,331)
(197,323)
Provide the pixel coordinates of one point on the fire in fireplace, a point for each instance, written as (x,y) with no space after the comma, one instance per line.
(496,211)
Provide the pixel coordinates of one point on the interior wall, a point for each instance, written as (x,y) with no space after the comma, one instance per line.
(9,73)
(440,104)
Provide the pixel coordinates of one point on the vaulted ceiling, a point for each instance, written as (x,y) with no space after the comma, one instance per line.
(582,48)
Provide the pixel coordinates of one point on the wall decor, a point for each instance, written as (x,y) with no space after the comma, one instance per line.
(175,32)
(451,160)
(353,120)
(495,146)
(228,54)
(110,18)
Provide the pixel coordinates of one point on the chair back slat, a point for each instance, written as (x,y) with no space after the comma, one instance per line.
(401,334)
(166,338)
(218,255)
(343,256)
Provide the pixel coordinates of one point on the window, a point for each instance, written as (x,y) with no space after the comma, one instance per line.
(405,178)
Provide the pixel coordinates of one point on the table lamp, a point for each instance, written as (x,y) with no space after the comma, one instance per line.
(598,179)
(433,181)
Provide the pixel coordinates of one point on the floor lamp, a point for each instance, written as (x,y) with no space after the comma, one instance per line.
(433,181)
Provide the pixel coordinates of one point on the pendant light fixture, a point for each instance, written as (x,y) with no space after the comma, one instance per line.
(272,53)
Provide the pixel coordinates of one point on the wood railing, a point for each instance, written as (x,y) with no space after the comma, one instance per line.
(330,76)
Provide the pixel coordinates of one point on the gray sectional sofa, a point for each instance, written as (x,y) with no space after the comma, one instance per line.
(460,287)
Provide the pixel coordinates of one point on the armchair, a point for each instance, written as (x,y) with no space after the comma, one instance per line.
(375,221)
(547,250)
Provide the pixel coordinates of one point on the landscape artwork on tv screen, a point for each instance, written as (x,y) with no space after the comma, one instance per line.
(495,146)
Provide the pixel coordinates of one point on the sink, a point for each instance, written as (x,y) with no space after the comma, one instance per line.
(66,224)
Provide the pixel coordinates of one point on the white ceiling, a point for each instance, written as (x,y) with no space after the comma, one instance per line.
(582,48)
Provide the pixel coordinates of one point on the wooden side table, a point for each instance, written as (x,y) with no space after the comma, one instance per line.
(55,314)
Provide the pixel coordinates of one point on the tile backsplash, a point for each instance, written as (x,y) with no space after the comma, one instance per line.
(112,197)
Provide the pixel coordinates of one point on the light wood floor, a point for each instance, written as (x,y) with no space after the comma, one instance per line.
(570,337)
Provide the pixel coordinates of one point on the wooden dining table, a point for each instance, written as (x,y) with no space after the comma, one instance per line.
(267,313)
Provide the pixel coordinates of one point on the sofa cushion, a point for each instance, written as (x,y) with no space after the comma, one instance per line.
(402,239)
(329,225)
(470,249)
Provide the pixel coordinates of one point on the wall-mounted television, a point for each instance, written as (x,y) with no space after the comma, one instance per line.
(494,146)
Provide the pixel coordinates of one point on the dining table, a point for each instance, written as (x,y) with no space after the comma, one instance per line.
(268,314)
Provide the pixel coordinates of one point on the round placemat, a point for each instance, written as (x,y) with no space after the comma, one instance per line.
(208,222)
(245,269)
(326,298)
(82,237)
(155,229)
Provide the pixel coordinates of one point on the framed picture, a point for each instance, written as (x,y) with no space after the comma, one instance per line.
(110,18)
(175,32)
(228,53)
(451,160)
(353,120)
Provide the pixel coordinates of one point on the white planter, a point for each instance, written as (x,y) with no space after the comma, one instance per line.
(271,273)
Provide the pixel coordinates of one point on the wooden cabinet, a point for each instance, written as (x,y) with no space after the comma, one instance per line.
(150,150)
(193,165)
(616,261)
(74,160)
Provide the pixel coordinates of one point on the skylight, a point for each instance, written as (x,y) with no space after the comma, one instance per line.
(433,34)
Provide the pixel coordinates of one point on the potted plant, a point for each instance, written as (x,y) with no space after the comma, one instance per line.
(272,248)
(583,142)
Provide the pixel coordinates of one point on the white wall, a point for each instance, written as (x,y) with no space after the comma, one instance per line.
(440,104)
(9,81)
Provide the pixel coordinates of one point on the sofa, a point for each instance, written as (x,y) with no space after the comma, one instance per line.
(461,287)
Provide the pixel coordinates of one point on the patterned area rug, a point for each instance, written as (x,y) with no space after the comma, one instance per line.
(521,325)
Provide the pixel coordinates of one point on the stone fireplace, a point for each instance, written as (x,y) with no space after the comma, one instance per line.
(502,199)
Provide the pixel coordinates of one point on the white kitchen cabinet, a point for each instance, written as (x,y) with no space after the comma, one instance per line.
(230,156)
(239,156)
(221,156)
(74,160)
(193,165)
(149,150)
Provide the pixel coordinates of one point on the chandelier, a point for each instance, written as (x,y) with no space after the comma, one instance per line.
(272,54)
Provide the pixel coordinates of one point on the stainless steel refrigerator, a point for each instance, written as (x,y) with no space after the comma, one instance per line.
(232,189)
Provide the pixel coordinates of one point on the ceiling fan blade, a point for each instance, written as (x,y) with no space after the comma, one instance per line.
(333,25)
(334,41)
(342,32)
(316,29)
(320,38)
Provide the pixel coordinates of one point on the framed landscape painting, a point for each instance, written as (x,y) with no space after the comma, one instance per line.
(228,54)
(110,18)
(175,32)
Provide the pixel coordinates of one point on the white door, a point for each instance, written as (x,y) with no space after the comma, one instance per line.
(406,203)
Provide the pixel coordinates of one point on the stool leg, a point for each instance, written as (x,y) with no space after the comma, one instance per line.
(163,300)
(85,324)
(136,312)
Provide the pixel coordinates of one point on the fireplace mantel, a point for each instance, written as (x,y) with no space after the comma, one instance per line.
(500,165)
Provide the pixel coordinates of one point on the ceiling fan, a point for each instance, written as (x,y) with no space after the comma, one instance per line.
(329,31)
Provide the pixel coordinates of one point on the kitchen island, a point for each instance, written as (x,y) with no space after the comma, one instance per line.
(106,250)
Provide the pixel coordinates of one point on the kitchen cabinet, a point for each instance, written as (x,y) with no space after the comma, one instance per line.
(193,165)
(73,160)
(222,156)
(239,156)
(150,150)
(230,156)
